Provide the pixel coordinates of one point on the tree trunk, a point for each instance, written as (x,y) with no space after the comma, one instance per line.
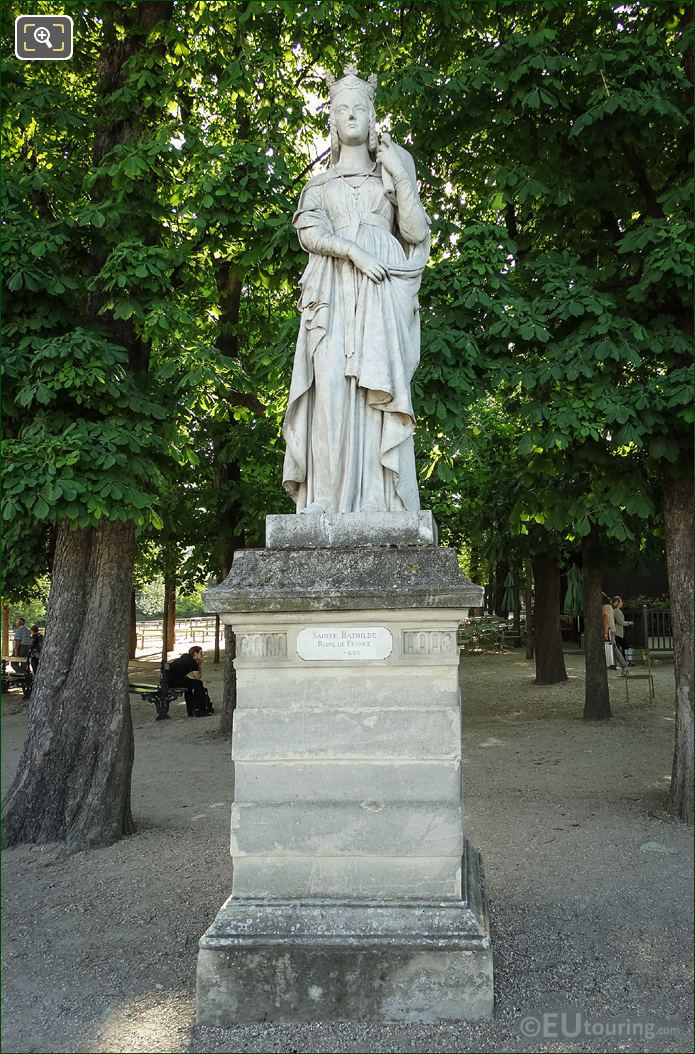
(477,570)
(73,779)
(113,128)
(216,656)
(528,601)
(678,518)
(5,628)
(229,672)
(490,589)
(228,277)
(230,540)
(229,683)
(597,703)
(133,647)
(501,572)
(517,612)
(170,600)
(169,616)
(550,659)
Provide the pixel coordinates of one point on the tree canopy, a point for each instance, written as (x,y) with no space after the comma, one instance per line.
(151,268)
(552,144)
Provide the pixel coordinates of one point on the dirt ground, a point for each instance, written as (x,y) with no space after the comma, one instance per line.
(590,883)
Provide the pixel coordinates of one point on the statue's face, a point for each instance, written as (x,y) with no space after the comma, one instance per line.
(350,112)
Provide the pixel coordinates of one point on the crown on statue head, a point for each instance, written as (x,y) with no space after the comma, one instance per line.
(351,79)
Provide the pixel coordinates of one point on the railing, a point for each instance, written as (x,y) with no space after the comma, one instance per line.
(657,630)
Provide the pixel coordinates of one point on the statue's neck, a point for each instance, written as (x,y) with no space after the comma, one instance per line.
(355,157)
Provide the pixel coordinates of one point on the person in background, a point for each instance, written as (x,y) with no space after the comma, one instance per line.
(620,629)
(609,636)
(36,645)
(22,638)
(185,672)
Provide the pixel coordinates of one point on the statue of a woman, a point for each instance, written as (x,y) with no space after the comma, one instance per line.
(349,423)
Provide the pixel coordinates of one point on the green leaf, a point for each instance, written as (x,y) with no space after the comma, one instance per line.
(663,448)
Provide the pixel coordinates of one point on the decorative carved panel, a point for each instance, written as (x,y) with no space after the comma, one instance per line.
(262,645)
(428,642)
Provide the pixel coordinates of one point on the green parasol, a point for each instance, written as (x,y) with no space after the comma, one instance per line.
(574,597)
(508,595)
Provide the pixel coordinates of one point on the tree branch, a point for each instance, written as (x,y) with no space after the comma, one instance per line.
(309,167)
(510,220)
(639,172)
(250,402)
(39,198)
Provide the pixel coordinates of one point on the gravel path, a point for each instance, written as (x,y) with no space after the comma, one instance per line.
(590,883)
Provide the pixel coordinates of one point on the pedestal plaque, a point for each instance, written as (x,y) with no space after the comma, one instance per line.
(318,644)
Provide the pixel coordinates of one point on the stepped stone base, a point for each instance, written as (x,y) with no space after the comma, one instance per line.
(303,961)
(355,895)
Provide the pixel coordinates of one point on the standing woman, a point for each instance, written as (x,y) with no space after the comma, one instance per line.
(609,637)
(349,423)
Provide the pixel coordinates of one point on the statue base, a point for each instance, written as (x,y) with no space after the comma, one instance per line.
(354,892)
(350,530)
(294,962)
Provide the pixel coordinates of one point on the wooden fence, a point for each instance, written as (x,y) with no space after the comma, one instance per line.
(199,630)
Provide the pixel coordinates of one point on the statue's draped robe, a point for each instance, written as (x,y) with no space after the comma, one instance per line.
(349,423)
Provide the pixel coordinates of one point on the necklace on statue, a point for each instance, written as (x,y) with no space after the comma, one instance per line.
(363,177)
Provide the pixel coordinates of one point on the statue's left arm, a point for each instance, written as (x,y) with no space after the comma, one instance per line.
(400,185)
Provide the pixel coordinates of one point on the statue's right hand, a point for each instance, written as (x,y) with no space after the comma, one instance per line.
(367,264)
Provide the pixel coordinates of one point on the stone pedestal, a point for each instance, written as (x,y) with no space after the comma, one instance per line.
(354,891)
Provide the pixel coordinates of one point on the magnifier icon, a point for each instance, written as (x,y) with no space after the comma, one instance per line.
(42,36)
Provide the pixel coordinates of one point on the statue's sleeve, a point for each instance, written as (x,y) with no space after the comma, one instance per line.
(314,228)
(412,218)
(402,192)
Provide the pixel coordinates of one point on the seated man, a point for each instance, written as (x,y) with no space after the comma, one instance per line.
(184,672)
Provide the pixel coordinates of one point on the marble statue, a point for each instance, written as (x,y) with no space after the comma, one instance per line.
(349,423)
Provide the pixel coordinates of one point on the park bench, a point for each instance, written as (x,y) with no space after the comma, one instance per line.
(161,694)
(23,679)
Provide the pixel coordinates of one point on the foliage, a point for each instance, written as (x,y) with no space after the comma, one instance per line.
(150,291)
(33,608)
(563,195)
(90,446)
(188,604)
(149,600)
(641,601)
